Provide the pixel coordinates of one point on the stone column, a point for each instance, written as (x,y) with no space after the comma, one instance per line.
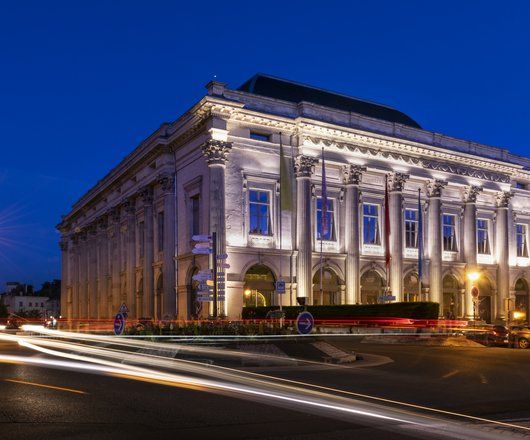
(114,261)
(352,175)
(503,254)
(149,294)
(103,272)
(434,192)
(216,154)
(66,281)
(304,167)
(75,277)
(130,212)
(470,242)
(396,183)
(92,273)
(169,300)
(83,281)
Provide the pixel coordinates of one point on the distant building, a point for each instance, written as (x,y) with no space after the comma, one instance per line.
(21,303)
(216,169)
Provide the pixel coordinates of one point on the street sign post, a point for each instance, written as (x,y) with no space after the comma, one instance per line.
(280,286)
(305,323)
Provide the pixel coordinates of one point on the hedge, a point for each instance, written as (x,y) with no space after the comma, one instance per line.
(414,310)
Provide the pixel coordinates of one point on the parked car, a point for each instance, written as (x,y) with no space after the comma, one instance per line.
(489,335)
(520,337)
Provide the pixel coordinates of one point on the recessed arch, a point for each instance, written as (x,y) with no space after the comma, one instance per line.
(331,287)
(372,286)
(452,296)
(259,286)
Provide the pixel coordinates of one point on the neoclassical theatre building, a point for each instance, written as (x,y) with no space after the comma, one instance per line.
(217,169)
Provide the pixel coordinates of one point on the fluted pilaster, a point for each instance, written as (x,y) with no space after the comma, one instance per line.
(470,241)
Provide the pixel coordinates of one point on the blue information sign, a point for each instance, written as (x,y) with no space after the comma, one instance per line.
(119,324)
(305,323)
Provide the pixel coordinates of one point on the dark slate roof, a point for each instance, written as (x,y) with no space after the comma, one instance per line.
(278,88)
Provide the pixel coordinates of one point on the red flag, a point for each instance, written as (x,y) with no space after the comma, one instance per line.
(387,227)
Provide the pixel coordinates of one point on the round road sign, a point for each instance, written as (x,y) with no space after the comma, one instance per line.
(119,324)
(305,323)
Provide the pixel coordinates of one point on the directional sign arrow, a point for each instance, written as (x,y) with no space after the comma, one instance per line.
(202,277)
(222,256)
(203,246)
(203,251)
(224,265)
(201,237)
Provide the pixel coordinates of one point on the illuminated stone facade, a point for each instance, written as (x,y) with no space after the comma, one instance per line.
(217,169)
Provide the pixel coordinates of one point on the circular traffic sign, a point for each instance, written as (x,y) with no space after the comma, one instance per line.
(305,323)
(119,324)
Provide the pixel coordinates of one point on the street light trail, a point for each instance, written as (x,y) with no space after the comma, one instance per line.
(267,389)
(41,385)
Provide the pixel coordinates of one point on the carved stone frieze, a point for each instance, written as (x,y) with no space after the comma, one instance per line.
(444,166)
(166,181)
(435,187)
(304,166)
(471,192)
(216,152)
(352,174)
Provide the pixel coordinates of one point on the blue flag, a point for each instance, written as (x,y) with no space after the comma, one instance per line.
(420,238)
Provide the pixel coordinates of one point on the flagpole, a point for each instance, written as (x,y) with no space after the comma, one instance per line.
(420,244)
(387,238)
(323,222)
(280,224)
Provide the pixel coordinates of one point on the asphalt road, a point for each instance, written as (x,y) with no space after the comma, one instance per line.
(489,382)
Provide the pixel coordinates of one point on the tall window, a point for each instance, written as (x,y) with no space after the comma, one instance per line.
(449,233)
(522,241)
(195,226)
(141,239)
(329,233)
(411,228)
(483,241)
(371,232)
(160,230)
(260,212)
(260,136)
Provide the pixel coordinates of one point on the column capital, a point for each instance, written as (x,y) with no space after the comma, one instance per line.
(396,181)
(146,193)
(129,204)
(471,193)
(166,181)
(216,152)
(435,187)
(352,174)
(304,166)
(102,222)
(503,198)
(114,214)
(63,243)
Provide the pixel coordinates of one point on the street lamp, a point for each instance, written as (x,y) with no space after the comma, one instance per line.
(473,276)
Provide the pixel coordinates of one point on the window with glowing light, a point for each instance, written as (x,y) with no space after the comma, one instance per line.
(449,233)
(371,232)
(411,228)
(259,212)
(329,234)
(483,241)
(522,240)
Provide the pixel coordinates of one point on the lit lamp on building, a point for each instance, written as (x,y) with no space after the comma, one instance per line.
(248,295)
(473,277)
(519,316)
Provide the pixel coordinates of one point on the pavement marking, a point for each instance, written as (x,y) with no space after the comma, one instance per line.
(450,374)
(23,382)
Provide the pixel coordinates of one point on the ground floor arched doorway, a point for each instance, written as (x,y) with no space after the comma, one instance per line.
(411,287)
(372,287)
(330,294)
(259,287)
(521,301)
(451,306)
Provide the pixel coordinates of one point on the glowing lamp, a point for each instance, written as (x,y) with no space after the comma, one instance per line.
(519,315)
(473,276)
(248,292)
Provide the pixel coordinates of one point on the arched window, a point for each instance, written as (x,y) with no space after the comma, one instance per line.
(521,301)
(411,288)
(259,286)
(451,306)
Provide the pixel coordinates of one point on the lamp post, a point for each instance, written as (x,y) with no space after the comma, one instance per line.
(473,277)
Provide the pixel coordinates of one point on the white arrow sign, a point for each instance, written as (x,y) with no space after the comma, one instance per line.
(201,251)
(224,265)
(220,285)
(202,276)
(222,256)
(201,237)
(203,246)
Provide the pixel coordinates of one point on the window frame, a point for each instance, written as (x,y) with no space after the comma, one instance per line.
(416,231)
(333,211)
(454,247)
(524,234)
(377,232)
(269,211)
(259,136)
(487,246)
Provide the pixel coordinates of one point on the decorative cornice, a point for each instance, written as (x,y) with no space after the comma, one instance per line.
(471,193)
(435,187)
(445,166)
(396,181)
(503,198)
(304,166)
(216,152)
(352,174)
(146,193)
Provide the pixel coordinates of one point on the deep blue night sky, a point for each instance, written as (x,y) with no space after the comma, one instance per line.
(82,83)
